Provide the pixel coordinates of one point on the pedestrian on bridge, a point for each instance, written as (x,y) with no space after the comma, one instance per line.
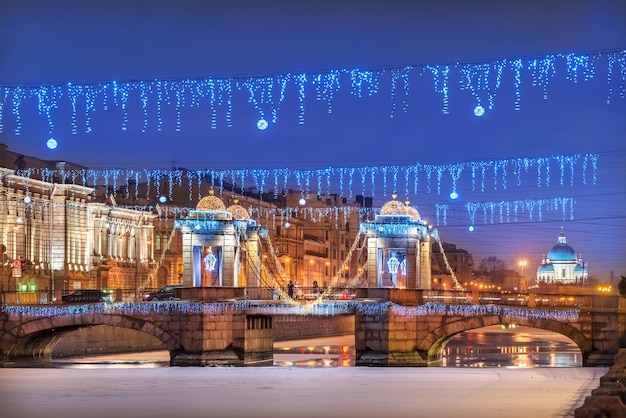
(290,289)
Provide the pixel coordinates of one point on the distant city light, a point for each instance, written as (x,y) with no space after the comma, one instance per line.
(51,143)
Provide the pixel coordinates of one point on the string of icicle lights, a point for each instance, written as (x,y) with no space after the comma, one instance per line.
(502,211)
(268,93)
(483,176)
(505,211)
(329,308)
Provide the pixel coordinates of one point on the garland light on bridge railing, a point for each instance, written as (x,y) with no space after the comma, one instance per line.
(328,308)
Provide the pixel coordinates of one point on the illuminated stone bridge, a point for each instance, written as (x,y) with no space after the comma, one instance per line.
(392,327)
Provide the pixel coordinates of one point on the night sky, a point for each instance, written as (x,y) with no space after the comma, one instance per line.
(45,43)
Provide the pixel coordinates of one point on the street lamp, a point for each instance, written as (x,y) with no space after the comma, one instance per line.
(522,263)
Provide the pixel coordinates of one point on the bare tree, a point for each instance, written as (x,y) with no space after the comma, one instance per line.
(622,286)
(490,265)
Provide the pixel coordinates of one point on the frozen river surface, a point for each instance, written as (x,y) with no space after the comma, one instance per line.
(278,392)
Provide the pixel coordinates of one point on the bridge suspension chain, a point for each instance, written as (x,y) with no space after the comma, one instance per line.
(268,279)
(140,290)
(334,288)
(457,284)
(349,283)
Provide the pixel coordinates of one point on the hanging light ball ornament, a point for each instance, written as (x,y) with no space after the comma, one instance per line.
(471,228)
(261,124)
(302,202)
(287,224)
(52,143)
(454,195)
(479,110)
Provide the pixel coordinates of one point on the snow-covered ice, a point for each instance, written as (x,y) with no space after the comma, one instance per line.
(294,392)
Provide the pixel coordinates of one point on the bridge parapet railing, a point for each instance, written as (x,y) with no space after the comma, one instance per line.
(555,301)
(448,296)
(532,300)
(500,298)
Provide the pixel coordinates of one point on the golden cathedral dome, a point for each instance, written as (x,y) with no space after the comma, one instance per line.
(411,211)
(393,207)
(238,211)
(210,202)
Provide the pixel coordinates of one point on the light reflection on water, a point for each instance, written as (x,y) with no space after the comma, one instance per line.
(519,347)
(291,354)
(136,360)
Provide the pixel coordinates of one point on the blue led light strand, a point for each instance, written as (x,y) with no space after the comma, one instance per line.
(327,308)
(268,93)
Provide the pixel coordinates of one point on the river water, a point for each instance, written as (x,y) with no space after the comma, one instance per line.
(511,347)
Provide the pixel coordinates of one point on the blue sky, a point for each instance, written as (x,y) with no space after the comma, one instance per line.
(52,43)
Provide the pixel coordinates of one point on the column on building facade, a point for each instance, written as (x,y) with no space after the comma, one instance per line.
(58,222)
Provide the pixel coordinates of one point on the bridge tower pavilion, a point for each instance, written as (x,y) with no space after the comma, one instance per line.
(220,246)
(398,248)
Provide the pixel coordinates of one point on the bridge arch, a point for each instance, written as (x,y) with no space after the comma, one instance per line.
(36,339)
(435,343)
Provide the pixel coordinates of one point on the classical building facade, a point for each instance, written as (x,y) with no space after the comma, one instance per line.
(62,239)
(562,265)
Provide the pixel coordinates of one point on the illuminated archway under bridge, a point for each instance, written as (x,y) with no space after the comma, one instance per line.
(393,327)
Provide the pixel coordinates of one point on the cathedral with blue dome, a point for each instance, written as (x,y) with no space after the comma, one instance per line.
(562,265)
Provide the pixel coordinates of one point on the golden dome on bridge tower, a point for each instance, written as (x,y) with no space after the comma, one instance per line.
(411,211)
(393,207)
(210,202)
(238,211)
